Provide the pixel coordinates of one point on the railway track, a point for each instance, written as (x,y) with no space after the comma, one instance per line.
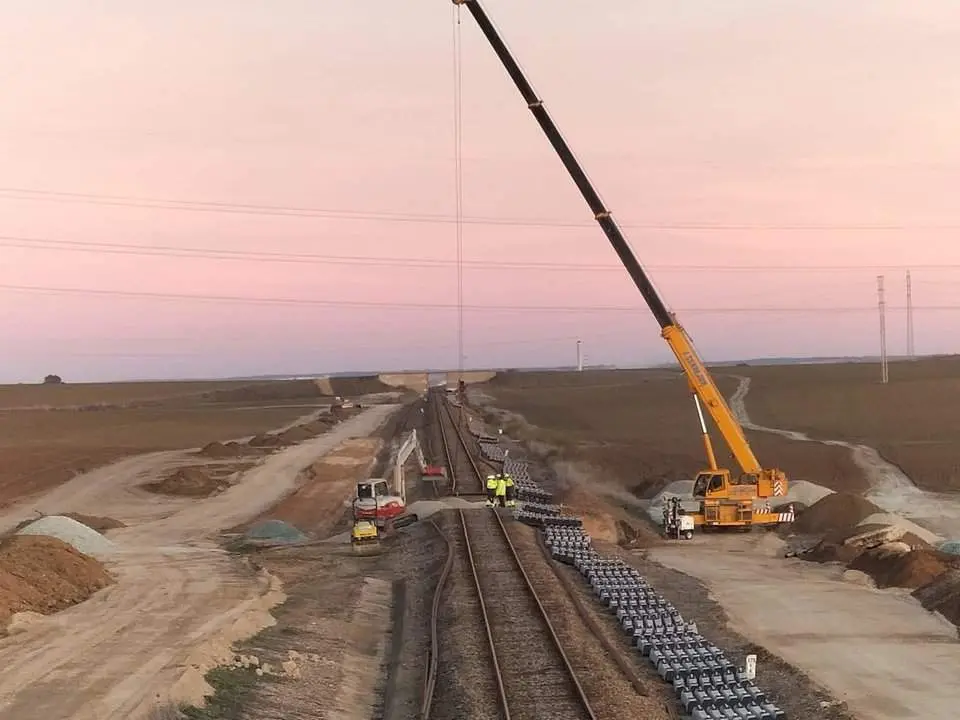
(466,478)
(508,660)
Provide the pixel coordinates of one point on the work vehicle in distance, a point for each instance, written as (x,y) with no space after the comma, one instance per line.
(725,501)
(374,502)
(676,522)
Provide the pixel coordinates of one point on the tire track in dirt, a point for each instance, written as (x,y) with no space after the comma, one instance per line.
(890,488)
(178,603)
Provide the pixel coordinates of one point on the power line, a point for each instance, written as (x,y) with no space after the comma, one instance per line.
(381,305)
(332,214)
(193,252)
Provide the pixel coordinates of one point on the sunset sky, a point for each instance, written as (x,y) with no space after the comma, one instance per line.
(741,144)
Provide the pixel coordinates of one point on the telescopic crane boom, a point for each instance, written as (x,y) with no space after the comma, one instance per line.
(727,501)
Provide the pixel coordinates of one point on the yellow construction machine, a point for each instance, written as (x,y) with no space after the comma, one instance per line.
(365,534)
(725,500)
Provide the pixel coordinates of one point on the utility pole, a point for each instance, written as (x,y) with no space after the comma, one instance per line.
(910,348)
(579,356)
(882,307)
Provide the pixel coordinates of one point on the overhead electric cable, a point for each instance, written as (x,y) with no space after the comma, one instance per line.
(421,306)
(27,194)
(208,253)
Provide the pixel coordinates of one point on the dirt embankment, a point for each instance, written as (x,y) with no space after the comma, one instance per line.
(200,481)
(351,387)
(325,488)
(43,575)
(911,421)
(639,427)
(890,556)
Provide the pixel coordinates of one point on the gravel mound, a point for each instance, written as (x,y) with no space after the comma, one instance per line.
(835,513)
(83,539)
(275,531)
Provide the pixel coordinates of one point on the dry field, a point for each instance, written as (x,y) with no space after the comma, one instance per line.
(913,421)
(640,427)
(49,434)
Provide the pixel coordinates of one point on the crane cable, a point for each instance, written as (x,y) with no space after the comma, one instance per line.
(458,162)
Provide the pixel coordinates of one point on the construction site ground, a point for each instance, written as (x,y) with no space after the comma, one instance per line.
(616,438)
(321,632)
(51,433)
(178,601)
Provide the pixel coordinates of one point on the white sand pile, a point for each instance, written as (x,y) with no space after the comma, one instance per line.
(890,519)
(801,491)
(82,538)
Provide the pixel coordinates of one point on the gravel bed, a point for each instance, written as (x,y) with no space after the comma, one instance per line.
(798,696)
(611,694)
(536,681)
(322,585)
(421,557)
(466,685)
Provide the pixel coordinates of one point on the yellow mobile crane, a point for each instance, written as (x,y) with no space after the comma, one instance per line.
(725,500)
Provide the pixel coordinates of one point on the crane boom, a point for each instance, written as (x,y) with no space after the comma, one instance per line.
(676,337)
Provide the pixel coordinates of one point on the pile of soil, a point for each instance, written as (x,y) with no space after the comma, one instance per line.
(836,515)
(295,435)
(264,440)
(221,450)
(43,574)
(95,522)
(188,482)
(320,425)
(913,570)
(942,595)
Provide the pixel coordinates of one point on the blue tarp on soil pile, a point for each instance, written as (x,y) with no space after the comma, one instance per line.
(275,531)
(950,546)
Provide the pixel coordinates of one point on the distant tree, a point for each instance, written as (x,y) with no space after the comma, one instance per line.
(52,380)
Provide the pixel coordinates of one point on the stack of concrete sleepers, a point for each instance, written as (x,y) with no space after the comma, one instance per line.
(707,684)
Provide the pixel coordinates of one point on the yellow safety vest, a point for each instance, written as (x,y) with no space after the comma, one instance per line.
(501,486)
(509,481)
(491,482)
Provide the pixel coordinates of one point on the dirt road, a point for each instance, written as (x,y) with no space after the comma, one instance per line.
(179,601)
(877,650)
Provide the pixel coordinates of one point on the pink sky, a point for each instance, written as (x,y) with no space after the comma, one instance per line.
(740,113)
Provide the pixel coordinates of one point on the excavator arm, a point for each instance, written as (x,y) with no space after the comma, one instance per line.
(699,378)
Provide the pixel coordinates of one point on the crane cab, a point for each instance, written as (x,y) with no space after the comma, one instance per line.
(726,501)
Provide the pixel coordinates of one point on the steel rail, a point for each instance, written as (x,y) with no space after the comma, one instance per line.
(466,451)
(581,694)
(433,661)
(430,681)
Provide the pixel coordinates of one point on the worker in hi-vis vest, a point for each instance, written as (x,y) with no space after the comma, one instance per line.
(491,490)
(511,492)
(501,499)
